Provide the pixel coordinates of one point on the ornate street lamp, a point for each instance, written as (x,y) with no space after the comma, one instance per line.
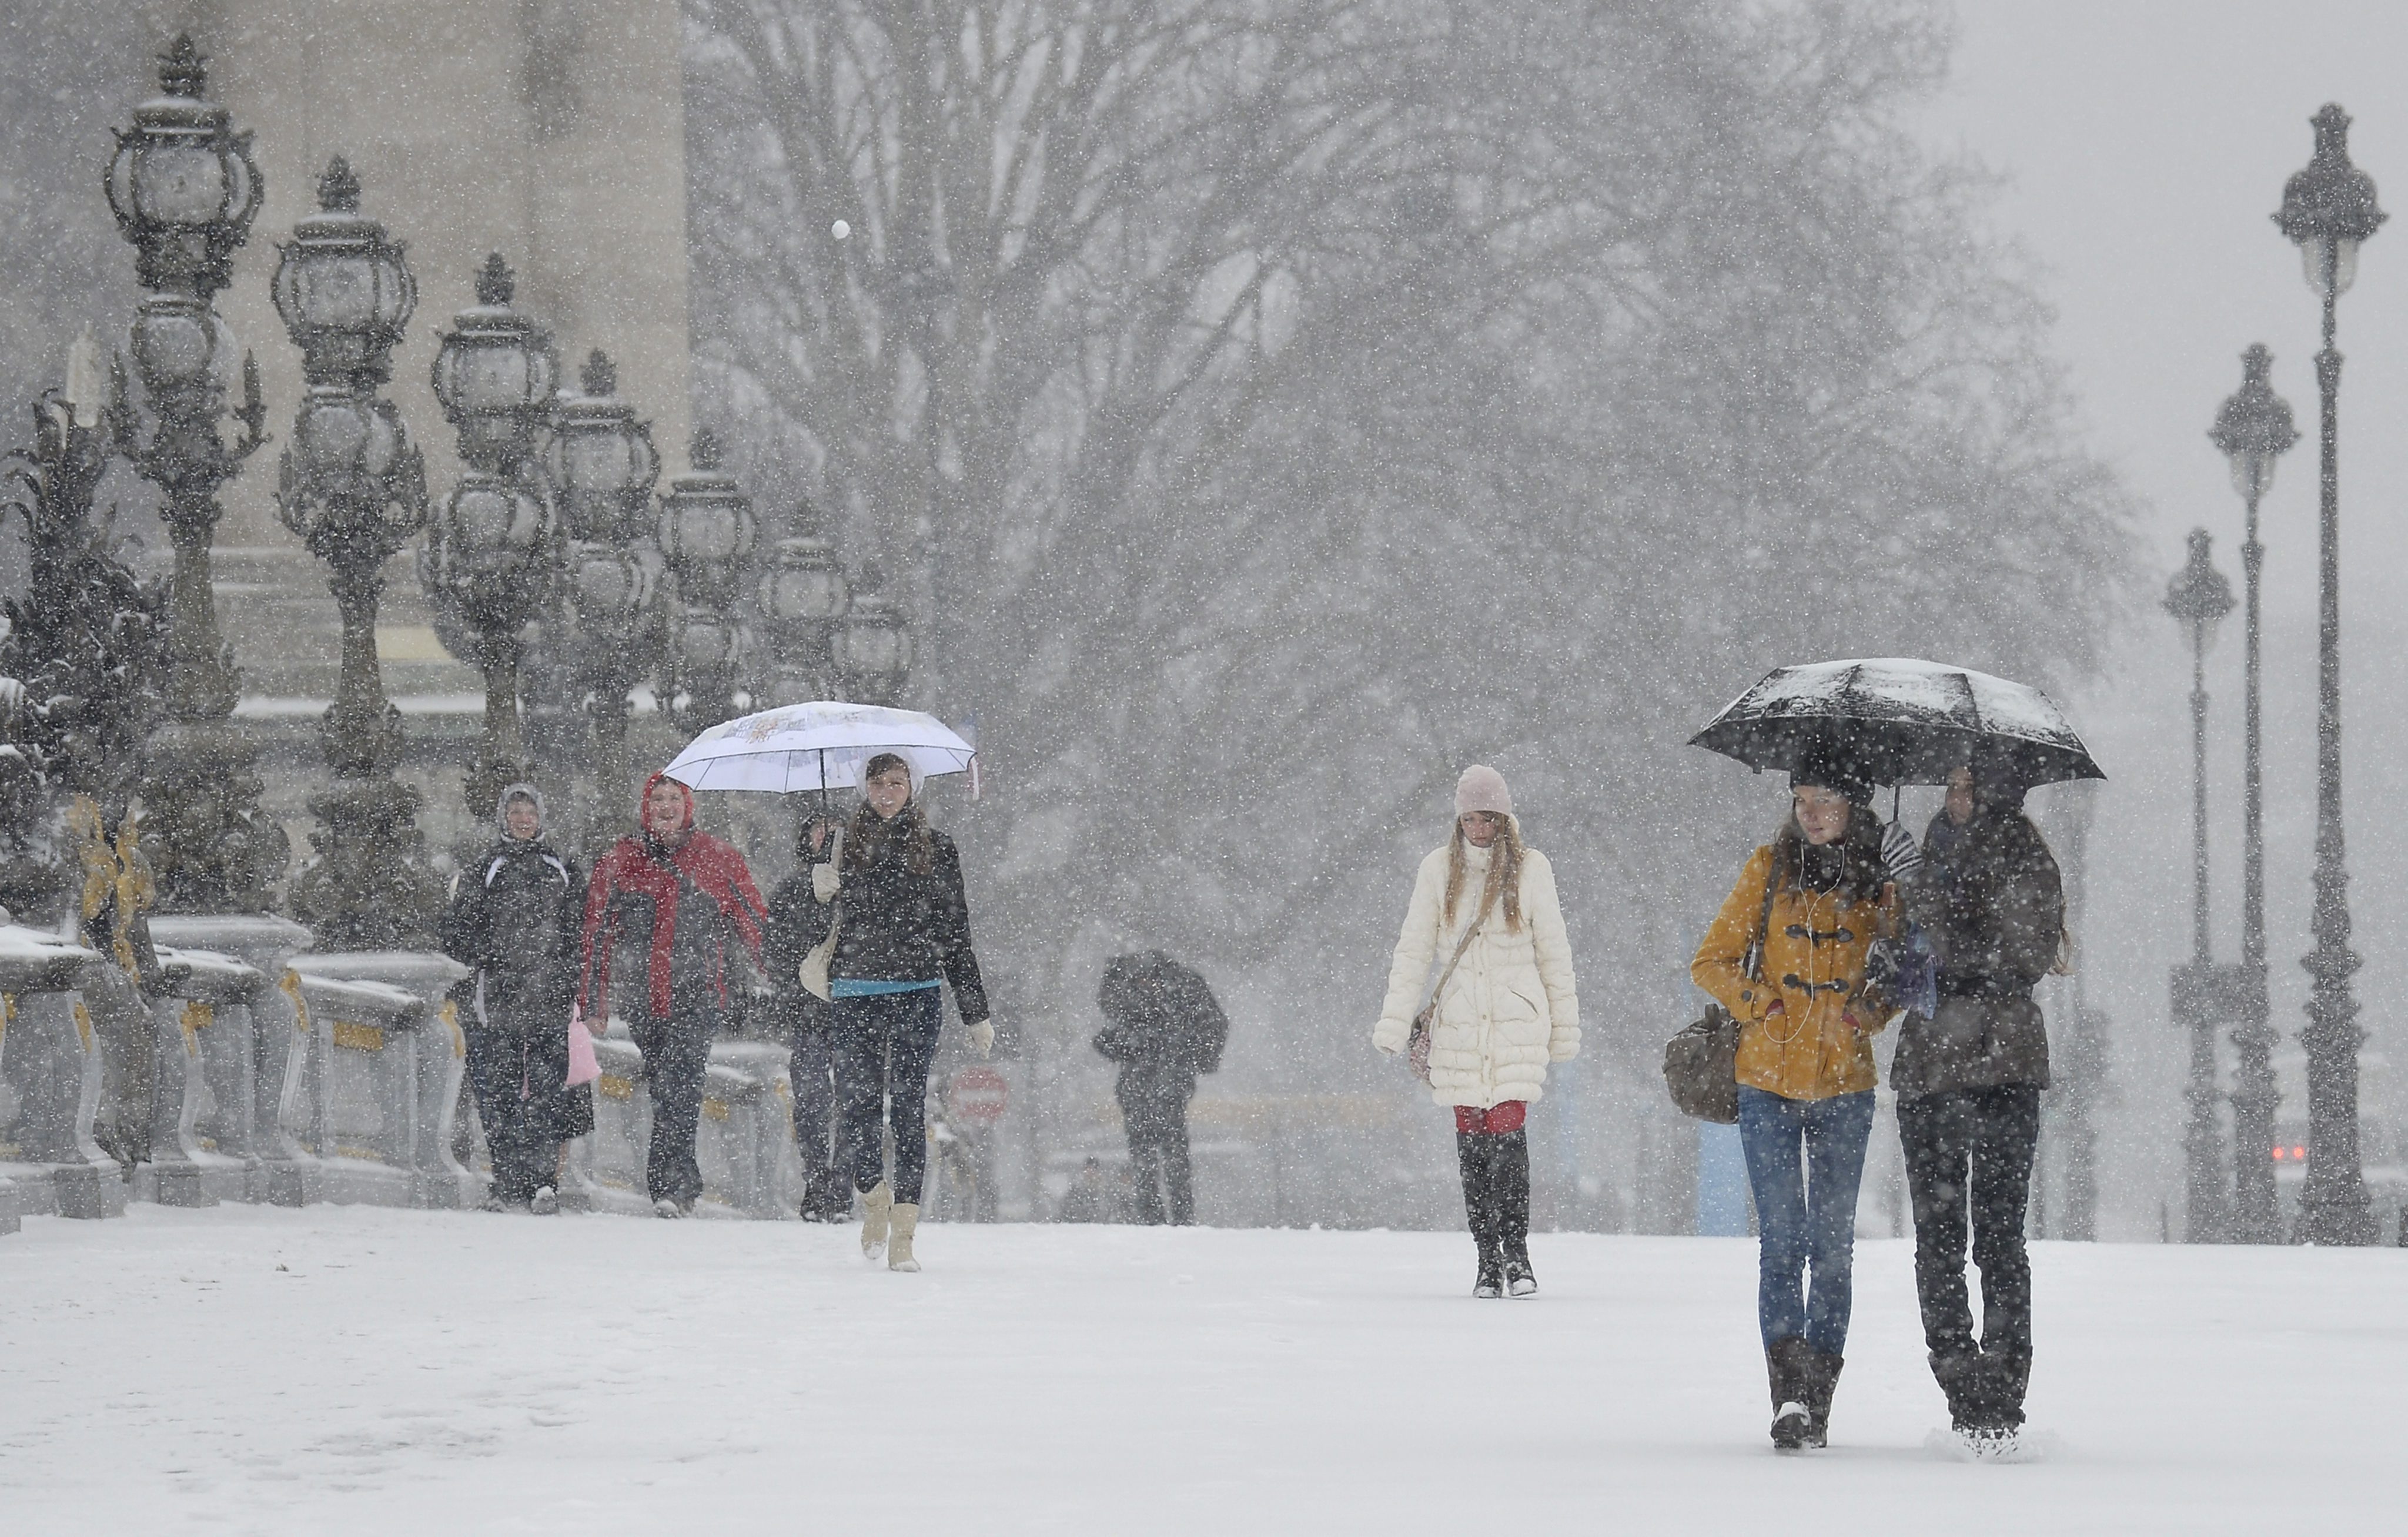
(354,487)
(2199,597)
(185,191)
(804,596)
(602,467)
(707,532)
(487,564)
(873,647)
(2253,429)
(2328,210)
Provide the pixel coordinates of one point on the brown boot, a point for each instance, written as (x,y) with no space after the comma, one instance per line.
(901,1225)
(1785,1365)
(1822,1380)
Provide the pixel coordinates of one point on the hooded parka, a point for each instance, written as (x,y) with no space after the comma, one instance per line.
(1511,1006)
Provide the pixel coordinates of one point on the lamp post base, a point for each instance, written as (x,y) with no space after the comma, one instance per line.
(212,848)
(368,886)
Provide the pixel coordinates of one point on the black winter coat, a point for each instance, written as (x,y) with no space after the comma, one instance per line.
(899,924)
(515,920)
(795,926)
(1992,905)
(1158,1012)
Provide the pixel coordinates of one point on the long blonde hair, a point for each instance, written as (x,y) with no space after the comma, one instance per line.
(1504,872)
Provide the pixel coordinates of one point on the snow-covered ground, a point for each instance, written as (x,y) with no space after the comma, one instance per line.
(354,1370)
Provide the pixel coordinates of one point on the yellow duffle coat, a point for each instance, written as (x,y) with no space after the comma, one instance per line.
(1815,947)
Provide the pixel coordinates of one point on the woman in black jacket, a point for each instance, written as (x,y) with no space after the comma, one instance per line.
(892,884)
(1969,1081)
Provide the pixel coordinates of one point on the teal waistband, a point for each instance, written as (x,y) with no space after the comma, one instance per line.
(849,986)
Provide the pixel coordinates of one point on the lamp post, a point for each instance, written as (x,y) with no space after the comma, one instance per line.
(184,191)
(2328,210)
(354,487)
(805,596)
(873,645)
(487,561)
(2199,597)
(602,467)
(2253,429)
(707,532)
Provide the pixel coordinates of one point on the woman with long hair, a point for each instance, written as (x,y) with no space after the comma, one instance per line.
(1787,957)
(892,884)
(1484,910)
(1969,1081)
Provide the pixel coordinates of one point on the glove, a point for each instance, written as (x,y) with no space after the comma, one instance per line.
(983,1037)
(824,883)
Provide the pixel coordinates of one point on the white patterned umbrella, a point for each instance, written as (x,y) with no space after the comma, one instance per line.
(820,746)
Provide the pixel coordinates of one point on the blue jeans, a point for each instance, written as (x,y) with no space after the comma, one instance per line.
(1805,1159)
(883,1047)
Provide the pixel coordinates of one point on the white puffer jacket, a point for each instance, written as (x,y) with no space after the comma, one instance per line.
(1509,1008)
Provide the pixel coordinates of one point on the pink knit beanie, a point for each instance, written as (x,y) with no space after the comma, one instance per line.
(1482,789)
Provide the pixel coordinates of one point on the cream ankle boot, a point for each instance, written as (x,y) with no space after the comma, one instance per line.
(899,1242)
(874,1204)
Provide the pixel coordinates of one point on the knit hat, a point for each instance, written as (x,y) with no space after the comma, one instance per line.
(1828,765)
(1482,789)
(518,791)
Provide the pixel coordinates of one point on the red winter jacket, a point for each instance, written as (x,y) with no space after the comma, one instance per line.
(643,867)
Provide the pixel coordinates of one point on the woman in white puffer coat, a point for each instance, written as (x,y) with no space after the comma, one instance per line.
(1505,1010)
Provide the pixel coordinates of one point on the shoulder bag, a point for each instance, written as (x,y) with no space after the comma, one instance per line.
(1417,1046)
(1701,1063)
(813,972)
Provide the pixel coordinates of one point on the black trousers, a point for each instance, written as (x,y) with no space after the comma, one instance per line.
(676,1052)
(1496,1169)
(517,1076)
(1158,1159)
(810,1072)
(1969,1164)
(885,1046)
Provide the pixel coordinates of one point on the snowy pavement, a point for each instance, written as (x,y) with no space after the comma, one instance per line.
(355,1370)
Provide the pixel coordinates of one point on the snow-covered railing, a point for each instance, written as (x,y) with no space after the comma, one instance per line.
(50,1084)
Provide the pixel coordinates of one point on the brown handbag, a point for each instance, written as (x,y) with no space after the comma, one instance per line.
(1701,1063)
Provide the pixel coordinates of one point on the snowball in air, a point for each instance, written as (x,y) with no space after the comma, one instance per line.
(840,229)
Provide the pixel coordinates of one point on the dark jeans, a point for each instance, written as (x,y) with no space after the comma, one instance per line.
(676,1052)
(809,1072)
(1968,1152)
(883,1046)
(517,1078)
(1155,1118)
(1805,1159)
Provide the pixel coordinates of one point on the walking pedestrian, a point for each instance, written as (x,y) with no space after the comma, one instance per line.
(514,922)
(1787,957)
(1504,1006)
(1969,1082)
(1163,1027)
(902,931)
(798,923)
(672,938)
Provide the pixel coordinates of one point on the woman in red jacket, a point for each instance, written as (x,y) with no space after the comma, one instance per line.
(667,911)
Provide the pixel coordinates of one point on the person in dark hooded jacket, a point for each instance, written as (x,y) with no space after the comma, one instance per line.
(1969,1082)
(796,923)
(513,923)
(1163,1027)
(672,939)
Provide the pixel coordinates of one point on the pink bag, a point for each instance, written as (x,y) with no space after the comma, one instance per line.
(582,1067)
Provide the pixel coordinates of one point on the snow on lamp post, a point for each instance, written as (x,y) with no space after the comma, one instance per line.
(354,487)
(184,191)
(487,563)
(2253,429)
(707,532)
(2199,597)
(603,467)
(805,596)
(2328,210)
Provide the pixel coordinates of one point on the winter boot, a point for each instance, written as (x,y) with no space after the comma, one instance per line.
(903,1220)
(1786,1366)
(1822,1380)
(874,1204)
(1999,1379)
(1480,1213)
(667,1207)
(1509,1164)
(818,1185)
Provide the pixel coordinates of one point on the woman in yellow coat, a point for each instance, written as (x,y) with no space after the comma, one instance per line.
(1814,898)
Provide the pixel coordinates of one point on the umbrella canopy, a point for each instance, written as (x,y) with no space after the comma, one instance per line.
(820,746)
(1904,721)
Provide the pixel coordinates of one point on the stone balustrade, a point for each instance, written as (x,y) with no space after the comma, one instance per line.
(287,1077)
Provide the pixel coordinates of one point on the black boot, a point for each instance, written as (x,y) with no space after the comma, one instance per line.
(1960,1382)
(1509,1181)
(1999,1382)
(1480,1213)
(1786,1366)
(1822,1380)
